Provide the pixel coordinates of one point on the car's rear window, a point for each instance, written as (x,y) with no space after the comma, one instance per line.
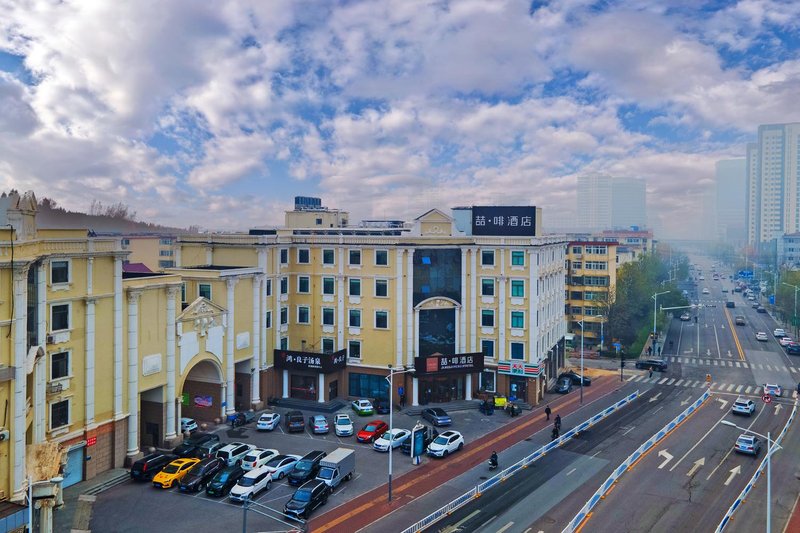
(223,455)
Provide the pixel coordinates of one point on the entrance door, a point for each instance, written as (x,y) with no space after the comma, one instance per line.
(333,389)
(151,430)
(73,472)
(518,389)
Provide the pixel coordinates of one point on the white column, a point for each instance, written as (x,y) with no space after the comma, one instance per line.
(533,309)
(257,320)
(223,394)
(262,264)
(20,376)
(133,372)
(118,339)
(178,255)
(473,300)
(501,307)
(285,391)
(415,342)
(90,361)
(462,321)
(414,392)
(40,370)
(230,369)
(341,320)
(172,423)
(176,428)
(276,291)
(398,308)
(209,255)
(468,388)
(320,387)
(411,350)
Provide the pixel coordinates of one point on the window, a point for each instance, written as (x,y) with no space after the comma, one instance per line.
(269,287)
(355,257)
(381,319)
(165,242)
(517,258)
(518,288)
(576,295)
(327,345)
(328,314)
(284,256)
(328,285)
(354,318)
(517,350)
(487,286)
(284,285)
(576,310)
(576,249)
(354,287)
(328,256)
(382,257)
(487,257)
(183,292)
(303,284)
(59,414)
(354,350)
(126,242)
(59,365)
(302,314)
(268,321)
(517,319)
(204,290)
(318,221)
(487,347)
(577,264)
(284,316)
(381,288)
(165,253)
(59,317)
(59,272)
(284,343)
(596,265)
(597,250)
(487,318)
(166,264)
(303,256)
(487,382)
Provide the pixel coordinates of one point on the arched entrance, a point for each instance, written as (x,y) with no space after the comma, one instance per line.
(202,393)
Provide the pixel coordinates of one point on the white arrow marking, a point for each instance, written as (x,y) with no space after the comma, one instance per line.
(686,401)
(690,350)
(734,473)
(729,354)
(697,464)
(777,408)
(667,458)
(654,398)
(708,353)
(723,402)
(722,326)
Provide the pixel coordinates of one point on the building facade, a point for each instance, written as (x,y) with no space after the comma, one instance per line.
(731,200)
(591,280)
(605,202)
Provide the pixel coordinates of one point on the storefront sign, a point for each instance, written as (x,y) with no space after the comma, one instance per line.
(519,368)
(438,364)
(504,220)
(320,362)
(203,401)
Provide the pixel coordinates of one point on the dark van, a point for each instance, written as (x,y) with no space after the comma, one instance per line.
(659,365)
(307,498)
(295,421)
(148,466)
(306,468)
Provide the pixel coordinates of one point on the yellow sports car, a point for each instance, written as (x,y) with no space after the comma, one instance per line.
(173,472)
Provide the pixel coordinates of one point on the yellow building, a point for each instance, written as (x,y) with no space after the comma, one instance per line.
(153,250)
(591,283)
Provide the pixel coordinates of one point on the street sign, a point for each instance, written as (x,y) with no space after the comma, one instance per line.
(772,299)
(767,398)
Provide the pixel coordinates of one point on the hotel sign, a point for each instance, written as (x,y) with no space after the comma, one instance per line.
(519,368)
(516,221)
(439,364)
(320,362)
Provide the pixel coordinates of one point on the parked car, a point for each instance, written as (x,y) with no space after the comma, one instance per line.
(793,348)
(187,448)
(446,443)
(224,480)
(730,304)
(430,433)
(685,317)
(307,498)
(436,416)
(372,430)
(785,341)
(576,378)
(295,421)
(343,425)
(257,457)
(148,466)
(268,421)
(280,465)
(739,320)
(207,449)
(188,424)
(381,406)
(174,472)
(762,336)
(306,468)
(234,452)
(747,444)
(779,332)
(200,474)
(761,309)
(241,418)
(563,385)
(250,484)
(363,407)
(773,389)
(659,365)
(743,406)
(318,424)
(394,438)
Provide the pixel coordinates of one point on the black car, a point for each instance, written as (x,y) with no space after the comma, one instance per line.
(576,378)
(306,468)
(207,449)
(761,309)
(430,434)
(436,416)
(241,418)
(148,466)
(307,498)
(658,365)
(187,449)
(381,406)
(563,385)
(224,480)
(198,477)
(295,421)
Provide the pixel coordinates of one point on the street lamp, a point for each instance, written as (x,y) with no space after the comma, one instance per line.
(581,323)
(770,445)
(55,480)
(655,302)
(391,425)
(794,317)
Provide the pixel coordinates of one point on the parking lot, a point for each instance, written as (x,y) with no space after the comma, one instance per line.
(141,507)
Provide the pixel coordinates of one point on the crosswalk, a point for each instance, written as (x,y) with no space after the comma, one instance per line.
(730,363)
(694,383)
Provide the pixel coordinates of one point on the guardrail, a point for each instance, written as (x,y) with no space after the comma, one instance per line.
(635,456)
(475,492)
(746,490)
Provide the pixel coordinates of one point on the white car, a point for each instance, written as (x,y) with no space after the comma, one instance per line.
(250,484)
(761,336)
(773,389)
(785,341)
(280,465)
(188,424)
(779,332)
(257,458)
(268,421)
(706,291)
(396,437)
(743,406)
(446,443)
(343,425)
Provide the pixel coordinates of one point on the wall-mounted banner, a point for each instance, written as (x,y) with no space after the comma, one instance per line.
(519,368)
(438,364)
(320,362)
(504,220)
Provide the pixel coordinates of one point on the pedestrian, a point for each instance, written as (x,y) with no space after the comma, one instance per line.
(547,410)
(558,423)
(554,434)
(649,350)
(651,372)
(402,401)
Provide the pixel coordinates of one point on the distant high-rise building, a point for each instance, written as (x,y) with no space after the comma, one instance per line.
(731,199)
(772,183)
(605,202)
(628,203)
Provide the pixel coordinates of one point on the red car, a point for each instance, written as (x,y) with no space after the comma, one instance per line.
(372,431)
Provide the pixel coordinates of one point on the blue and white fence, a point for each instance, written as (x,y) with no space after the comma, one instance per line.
(635,456)
(523,463)
(740,500)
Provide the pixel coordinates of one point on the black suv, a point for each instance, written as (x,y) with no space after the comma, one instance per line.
(307,498)
(187,449)
(198,477)
(148,466)
(224,480)
(295,421)
(652,364)
(430,434)
(306,468)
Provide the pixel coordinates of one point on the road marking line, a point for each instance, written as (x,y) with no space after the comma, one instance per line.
(748,389)
(770,368)
(629,430)
(465,519)
(574,469)
(661,382)
(739,388)
(757,390)
(715,362)
(671,381)
(730,387)
(792,369)
(738,364)
(678,383)
(631,378)
(731,449)
(746,365)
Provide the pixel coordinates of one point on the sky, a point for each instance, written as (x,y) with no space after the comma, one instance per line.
(216,114)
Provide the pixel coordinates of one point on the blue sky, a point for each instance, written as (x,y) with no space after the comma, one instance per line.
(218,115)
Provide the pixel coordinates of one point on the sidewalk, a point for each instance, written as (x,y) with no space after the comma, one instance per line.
(76,512)
(369,507)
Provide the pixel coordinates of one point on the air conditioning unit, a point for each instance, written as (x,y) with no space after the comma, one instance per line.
(4,434)
(50,339)
(54,388)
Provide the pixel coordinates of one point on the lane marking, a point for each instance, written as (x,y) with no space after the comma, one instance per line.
(571,471)
(730,450)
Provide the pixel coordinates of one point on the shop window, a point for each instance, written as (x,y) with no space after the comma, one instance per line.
(518,288)
(268,320)
(368,386)
(487,286)
(381,319)
(487,257)
(518,319)
(59,414)
(381,257)
(59,317)
(268,287)
(488,381)
(328,286)
(354,257)
(517,350)
(284,316)
(204,290)
(302,314)
(328,314)
(303,256)
(327,345)
(381,288)
(487,347)
(284,343)
(517,258)
(487,318)
(59,365)
(284,285)
(354,318)
(303,284)
(328,256)
(354,287)
(354,350)
(303,387)
(284,256)
(59,271)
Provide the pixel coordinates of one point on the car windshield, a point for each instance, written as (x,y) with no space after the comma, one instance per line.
(326,473)
(247,481)
(276,461)
(439,412)
(170,469)
(304,465)
(222,476)
(343,422)
(302,496)
(197,469)
(370,427)
(439,440)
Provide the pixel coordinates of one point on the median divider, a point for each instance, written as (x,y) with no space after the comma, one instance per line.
(746,490)
(582,515)
(476,492)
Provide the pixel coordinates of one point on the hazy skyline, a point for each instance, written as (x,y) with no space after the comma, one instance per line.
(218,114)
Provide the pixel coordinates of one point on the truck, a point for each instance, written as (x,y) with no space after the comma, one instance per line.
(337,466)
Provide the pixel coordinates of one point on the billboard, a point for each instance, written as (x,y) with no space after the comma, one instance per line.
(515,221)
(438,364)
(320,362)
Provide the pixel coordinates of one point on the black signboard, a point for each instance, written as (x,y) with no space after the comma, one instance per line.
(320,362)
(517,221)
(441,364)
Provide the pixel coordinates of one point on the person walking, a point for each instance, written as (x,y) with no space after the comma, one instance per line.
(651,372)
(554,434)
(558,423)
(547,411)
